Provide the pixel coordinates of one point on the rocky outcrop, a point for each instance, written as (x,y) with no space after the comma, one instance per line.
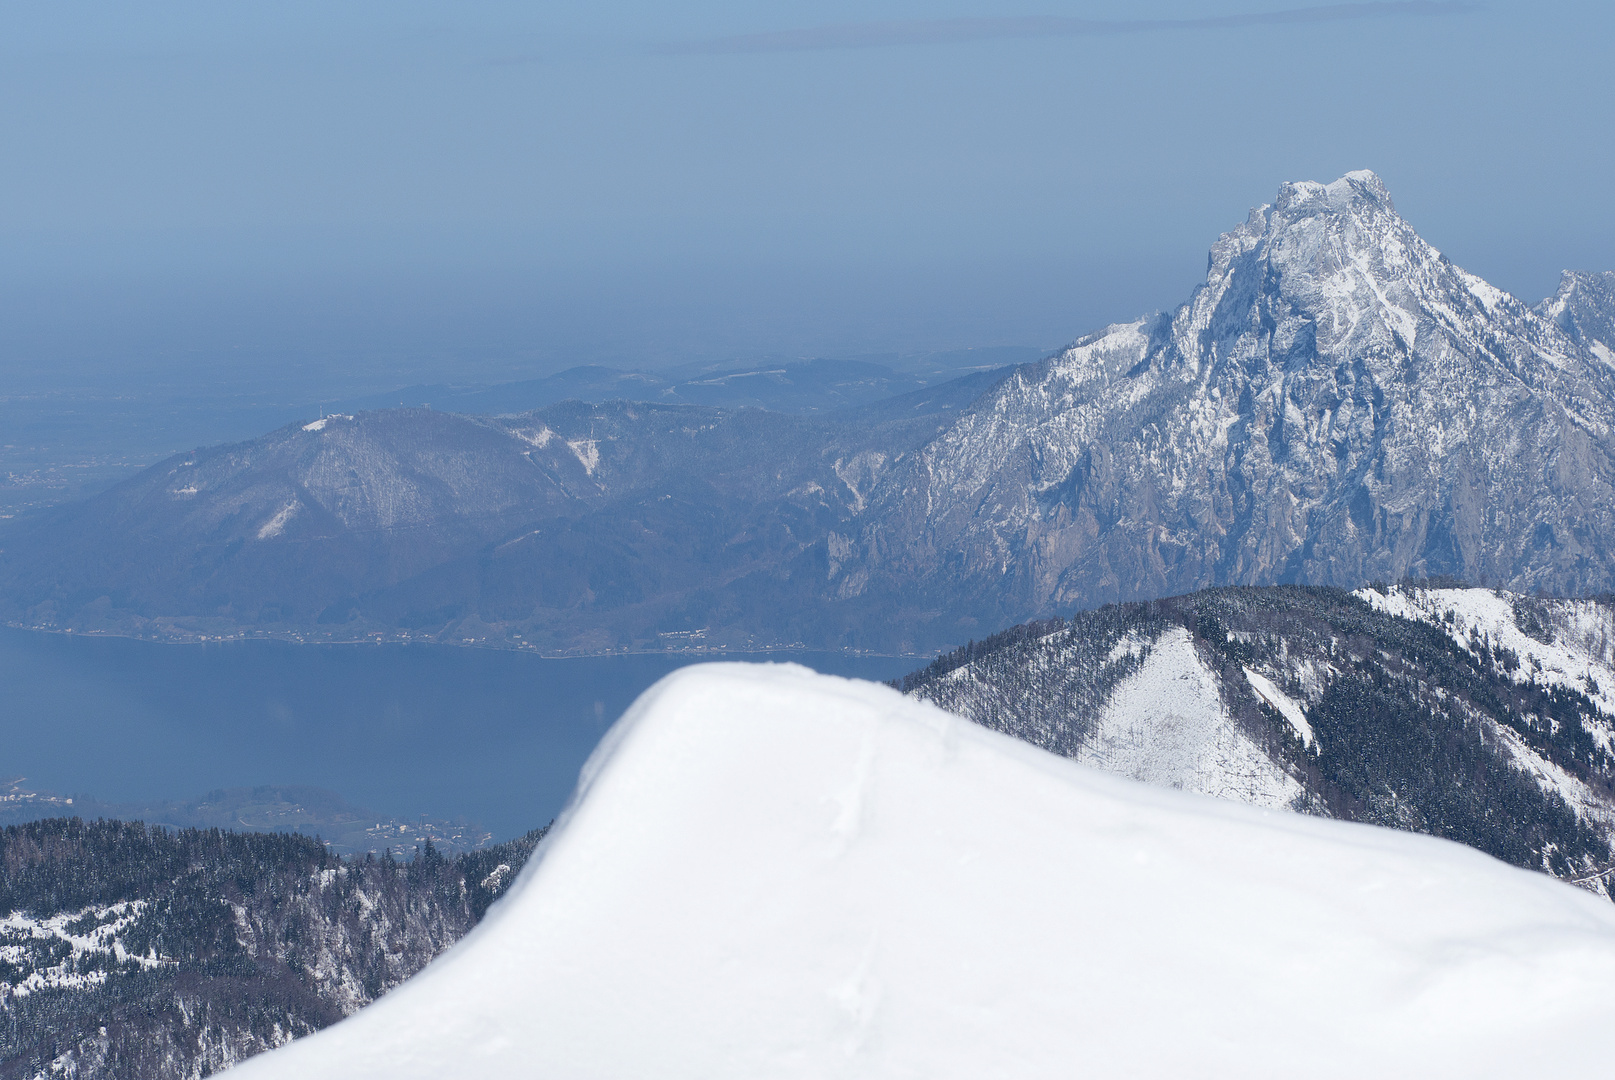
(1584,308)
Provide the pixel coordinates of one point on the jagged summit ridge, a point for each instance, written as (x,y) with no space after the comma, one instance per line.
(1351,276)
(1359,185)
(1338,402)
(1331,273)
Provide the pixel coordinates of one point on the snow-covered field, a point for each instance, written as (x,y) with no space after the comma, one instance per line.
(771,873)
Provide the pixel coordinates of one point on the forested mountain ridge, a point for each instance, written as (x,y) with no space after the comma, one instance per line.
(133,951)
(1471,714)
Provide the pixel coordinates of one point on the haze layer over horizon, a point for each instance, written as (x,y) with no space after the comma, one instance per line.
(419,190)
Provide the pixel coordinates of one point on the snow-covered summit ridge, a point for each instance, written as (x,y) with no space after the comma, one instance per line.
(1335,267)
(1356,186)
(772,873)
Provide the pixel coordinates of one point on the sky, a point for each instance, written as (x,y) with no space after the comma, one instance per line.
(390,192)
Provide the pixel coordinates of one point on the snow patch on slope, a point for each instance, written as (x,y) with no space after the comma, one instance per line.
(277,524)
(766,872)
(1288,707)
(587,451)
(1166,724)
(538,437)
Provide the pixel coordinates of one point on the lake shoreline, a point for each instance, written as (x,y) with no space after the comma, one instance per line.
(404,638)
(455,733)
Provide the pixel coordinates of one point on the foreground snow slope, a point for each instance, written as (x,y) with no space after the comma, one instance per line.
(772,873)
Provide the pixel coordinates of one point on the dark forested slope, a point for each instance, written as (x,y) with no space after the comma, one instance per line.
(128,951)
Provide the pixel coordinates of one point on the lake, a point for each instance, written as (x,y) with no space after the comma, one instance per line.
(405,730)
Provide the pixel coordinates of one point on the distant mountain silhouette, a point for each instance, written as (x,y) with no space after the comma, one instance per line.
(1338,403)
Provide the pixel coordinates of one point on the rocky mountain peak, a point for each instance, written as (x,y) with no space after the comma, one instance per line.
(1356,190)
(1338,402)
(1331,271)
(1356,210)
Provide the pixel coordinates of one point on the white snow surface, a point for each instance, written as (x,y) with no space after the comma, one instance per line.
(1165,724)
(1292,710)
(771,873)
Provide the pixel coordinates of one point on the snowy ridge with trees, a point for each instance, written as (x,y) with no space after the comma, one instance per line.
(85,945)
(1543,642)
(1473,714)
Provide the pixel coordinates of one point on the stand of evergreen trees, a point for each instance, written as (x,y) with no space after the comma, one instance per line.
(238,942)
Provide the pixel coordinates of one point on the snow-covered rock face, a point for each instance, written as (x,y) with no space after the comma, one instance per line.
(1337,403)
(768,873)
(1584,308)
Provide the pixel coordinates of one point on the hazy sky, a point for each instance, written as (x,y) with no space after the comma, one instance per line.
(493,189)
